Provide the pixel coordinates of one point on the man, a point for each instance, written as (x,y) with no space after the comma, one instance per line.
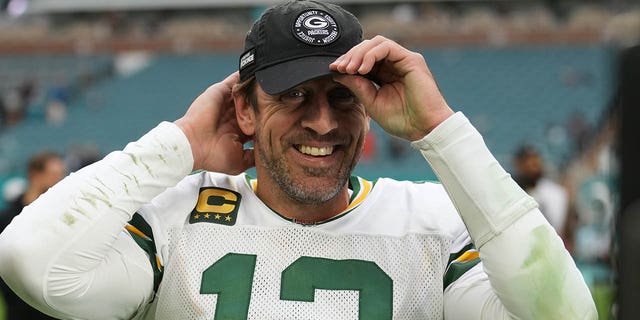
(304,240)
(44,169)
(552,198)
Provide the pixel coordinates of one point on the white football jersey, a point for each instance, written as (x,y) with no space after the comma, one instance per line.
(223,254)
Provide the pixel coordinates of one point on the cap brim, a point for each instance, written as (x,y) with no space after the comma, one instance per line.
(284,76)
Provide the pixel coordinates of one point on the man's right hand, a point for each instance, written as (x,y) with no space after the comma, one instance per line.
(212,130)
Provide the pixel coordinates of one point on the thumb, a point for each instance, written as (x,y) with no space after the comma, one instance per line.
(364,89)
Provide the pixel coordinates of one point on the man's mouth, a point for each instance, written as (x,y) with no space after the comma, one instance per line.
(315,151)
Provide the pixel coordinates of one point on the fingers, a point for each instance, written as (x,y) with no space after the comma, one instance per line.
(359,59)
(383,59)
(361,87)
(362,58)
(210,117)
(223,88)
(232,79)
(406,101)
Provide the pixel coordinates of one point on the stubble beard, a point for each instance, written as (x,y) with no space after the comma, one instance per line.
(297,189)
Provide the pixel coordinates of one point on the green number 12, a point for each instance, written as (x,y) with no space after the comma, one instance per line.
(231,278)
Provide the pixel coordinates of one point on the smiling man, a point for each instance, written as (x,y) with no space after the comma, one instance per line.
(136,236)
(307,141)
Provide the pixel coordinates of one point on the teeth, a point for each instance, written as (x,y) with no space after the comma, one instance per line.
(315,151)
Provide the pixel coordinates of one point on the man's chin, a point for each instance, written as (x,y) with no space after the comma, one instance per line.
(315,190)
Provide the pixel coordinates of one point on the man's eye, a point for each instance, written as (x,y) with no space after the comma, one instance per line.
(292,96)
(295,94)
(342,95)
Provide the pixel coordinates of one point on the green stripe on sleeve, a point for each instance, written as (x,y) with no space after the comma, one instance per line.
(457,255)
(147,244)
(455,269)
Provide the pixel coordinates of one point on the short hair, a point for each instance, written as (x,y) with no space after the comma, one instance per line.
(526,151)
(247,89)
(38,162)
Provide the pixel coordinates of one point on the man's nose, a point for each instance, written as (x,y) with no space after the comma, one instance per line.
(320,116)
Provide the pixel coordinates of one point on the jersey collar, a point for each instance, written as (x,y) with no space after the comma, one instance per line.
(359,187)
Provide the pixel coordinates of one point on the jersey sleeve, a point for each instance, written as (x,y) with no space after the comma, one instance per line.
(69,254)
(529,273)
(472,297)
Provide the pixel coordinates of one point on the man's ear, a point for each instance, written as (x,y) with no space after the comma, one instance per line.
(245,114)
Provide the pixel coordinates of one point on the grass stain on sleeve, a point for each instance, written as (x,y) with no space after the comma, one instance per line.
(122,173)
(68,219)
(105,185)
(133,158)
(89,198)
(147,168)
(101,191)
(93,199)
(135,179)
(80,211)
(162,145)
(544,270)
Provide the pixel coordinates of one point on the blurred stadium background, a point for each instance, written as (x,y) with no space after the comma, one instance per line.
(84,77)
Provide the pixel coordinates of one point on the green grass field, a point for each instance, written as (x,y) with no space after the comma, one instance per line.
(2,315)
(603,297)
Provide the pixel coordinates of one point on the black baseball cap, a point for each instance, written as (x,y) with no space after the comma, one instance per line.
(295,41)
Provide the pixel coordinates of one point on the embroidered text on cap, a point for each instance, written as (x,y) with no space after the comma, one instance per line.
(247,59)
(316,27)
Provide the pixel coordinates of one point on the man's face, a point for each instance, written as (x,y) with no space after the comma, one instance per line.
(54,171)
(531,166)
(308,139)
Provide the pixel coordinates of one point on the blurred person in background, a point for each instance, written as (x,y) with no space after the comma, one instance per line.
(552,198)
(58,99)
(44,169)
(13,109)
(3,111)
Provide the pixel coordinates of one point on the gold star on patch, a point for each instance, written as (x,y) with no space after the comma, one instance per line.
(196,216)
(227,218)
(217,216)
(206,216)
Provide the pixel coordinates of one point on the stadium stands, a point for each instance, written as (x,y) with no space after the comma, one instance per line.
(513,95)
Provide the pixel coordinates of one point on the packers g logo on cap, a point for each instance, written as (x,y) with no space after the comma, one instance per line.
(216,205)
(316,27)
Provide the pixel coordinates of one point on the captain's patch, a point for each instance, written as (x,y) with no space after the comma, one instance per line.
(216,205)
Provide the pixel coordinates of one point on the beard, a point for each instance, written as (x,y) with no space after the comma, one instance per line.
(298,188)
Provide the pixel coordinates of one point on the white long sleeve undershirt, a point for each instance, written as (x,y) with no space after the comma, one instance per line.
(530,271)
(67,253)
